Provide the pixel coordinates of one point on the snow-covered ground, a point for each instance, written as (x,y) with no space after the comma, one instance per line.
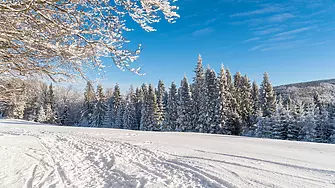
(36,155)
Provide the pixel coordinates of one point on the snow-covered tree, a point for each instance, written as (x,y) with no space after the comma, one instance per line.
(223,93)
(172,109)
(115,105)
(256,105)
(246,105)
(139,101)
(213,124)
(41,117)
(268,97)
(88,107)
(185,107)
(62,39)
(234,122)
(129,115)
(199,98)
(119,124)
(100,108)
(149,110)
(160,102)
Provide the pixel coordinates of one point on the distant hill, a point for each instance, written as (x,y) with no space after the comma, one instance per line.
(306,90)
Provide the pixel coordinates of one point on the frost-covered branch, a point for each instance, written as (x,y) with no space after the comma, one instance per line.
(66,38)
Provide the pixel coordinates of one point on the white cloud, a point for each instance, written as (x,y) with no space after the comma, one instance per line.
(280,17)
(204,31)
(294,31)
(252,39)
(268,31)
(269,9)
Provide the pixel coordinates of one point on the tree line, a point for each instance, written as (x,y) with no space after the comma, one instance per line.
(213,103)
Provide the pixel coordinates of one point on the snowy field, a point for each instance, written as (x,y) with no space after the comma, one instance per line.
(36,155)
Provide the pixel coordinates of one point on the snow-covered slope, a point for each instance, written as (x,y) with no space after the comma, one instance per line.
(36,155)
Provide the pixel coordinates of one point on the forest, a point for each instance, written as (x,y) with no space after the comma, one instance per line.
(213,103)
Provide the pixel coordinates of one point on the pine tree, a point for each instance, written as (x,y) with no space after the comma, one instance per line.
(119,124)
(88,108)
(41,117)
(268,97)
(172,112)
(198,96)
(212,103)
(256,105)
(185,107)
(64,119)
(223,104)
(99,114)
(139,100)
(160,103)
(115,105)
(50,114)
(31,109)
(234,122)
(246,105)
(129,115)
(281,120)
(149,111)
(308,131)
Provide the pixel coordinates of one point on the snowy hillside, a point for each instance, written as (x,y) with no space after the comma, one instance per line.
(36,155)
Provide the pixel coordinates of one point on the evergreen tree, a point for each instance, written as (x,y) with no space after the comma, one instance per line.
(281,120)
(246,106)
(41,117)
(100,109)
(268,97)
(119,124)
(198,96)
(234,122)
(223,104)
(308,131)
(172,112)
(64,119)
(256,106)
(31,109)
(129,116)
(149,111)
(160,103)
(212,103)
(88,108)
(115,105)
(139,100)
(185,107)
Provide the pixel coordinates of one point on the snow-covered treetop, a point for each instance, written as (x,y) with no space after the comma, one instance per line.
(63,39)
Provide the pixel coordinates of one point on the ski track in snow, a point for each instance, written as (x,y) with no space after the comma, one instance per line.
(80,157)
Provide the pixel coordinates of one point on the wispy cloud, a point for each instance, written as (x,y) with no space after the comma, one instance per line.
(280,17)
(268,31)
(268,9)
(294,31)
(252,39)
(204,31)
(281,38)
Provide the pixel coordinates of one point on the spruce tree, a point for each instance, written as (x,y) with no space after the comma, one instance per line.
(185,107)
(172,112)
(100,109)
(212,103)
(234,122)
(129,115)
(41,115)
(256,104)
(268,97)
(198,96)
(139,100)
(160,103)
(223,104)
(119,124)
(115,105)
(88,109)
(246,105)
(149,111)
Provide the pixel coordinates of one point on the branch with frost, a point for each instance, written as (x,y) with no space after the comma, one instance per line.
(66,38)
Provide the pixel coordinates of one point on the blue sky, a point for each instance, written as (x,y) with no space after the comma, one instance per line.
(292,40)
